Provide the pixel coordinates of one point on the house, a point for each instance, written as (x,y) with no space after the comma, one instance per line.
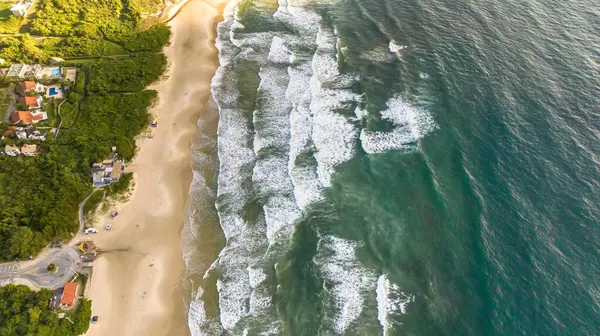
(115,174)
(31,102)
(54,302)
(11,150)
(17,70)
(28,117)
(107,171)
(20,8)
(48,72)
(34,71)
(29,150)
(69,294)
(70,74)
(29,133)
(26,86)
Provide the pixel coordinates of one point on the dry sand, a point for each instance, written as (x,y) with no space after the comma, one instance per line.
(130,296)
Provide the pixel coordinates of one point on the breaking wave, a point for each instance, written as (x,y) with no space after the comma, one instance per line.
(280,137)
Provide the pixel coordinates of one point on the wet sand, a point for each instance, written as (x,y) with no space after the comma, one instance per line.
(135,284)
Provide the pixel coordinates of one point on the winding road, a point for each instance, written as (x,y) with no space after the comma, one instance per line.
(35,272)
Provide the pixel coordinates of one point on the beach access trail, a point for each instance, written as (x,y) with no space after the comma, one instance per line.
(136,282)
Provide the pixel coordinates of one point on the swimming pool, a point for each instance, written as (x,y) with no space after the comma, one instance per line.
(52,91)
(55,72)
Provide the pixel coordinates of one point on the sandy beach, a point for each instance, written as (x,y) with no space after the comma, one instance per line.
(130,296)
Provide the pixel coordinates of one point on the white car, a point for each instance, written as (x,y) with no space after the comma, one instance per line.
(90,230)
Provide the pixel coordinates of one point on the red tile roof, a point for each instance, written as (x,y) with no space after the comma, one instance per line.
(21,116)
(25,86)
(69,294)
(29,101)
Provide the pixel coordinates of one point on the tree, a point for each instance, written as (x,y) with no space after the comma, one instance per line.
(52,268)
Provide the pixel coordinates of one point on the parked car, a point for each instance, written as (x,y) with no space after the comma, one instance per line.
(90,230)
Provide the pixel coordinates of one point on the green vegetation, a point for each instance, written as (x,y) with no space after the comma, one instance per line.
(21,49)
(147,6)
(4,100)
(25,312)
(107,106)
(9,24)
(68,113)
(127,74)
(93,202)
(121,186)
(83,28)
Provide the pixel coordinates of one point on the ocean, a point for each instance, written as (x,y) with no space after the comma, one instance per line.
(399,167)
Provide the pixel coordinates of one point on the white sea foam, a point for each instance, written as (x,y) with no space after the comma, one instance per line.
(347,281)
(282,159)
(257,276)
(395,48)
(390,301)
(410,124)
(333,135)
(379,54)
(279,51)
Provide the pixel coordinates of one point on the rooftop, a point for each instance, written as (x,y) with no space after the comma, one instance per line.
(28,149)
(27,117)
(32,102)
(16,70)
(10,148)
(116,172)
(69,293)
(25,86)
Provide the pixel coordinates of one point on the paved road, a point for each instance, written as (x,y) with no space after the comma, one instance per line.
(35,272)
(67,262)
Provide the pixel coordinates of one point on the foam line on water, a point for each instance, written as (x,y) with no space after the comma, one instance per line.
(391,301)
(410,124)
(348,281)
(333,135)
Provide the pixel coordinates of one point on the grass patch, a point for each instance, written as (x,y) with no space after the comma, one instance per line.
(118,191)
(50,109)
(3,111)
(93,203)
(111,48)
(68,113)
(121,186)
(9,24)
(147,6)
(48,43)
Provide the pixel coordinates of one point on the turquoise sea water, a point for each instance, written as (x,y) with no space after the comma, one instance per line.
(401,168)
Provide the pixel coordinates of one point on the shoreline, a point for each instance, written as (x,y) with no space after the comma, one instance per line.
(135,286)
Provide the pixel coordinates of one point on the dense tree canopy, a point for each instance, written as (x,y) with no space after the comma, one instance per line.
(25,312)
(125,74)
